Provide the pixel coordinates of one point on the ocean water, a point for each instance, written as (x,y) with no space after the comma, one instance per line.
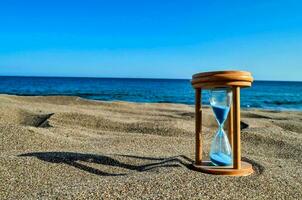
(274,95)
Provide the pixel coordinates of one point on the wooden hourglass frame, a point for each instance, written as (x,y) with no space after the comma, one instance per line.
(233,80)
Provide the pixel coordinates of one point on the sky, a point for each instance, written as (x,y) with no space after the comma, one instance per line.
(151,38)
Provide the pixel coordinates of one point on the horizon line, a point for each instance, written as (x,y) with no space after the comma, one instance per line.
(94,77)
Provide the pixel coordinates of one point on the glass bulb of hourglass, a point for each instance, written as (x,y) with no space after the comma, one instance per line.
(221,152)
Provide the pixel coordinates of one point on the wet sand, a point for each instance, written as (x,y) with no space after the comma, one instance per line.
(71,148)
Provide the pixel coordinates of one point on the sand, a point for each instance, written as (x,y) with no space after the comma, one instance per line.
(71,148)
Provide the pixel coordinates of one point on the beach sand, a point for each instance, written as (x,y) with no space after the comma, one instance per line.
(71,148)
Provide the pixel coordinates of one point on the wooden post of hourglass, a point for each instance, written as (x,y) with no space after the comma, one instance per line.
(198,128)
(221,79)
(236,133)
(231,126)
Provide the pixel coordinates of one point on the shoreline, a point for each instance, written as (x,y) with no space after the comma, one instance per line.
(271,95)
(138,102)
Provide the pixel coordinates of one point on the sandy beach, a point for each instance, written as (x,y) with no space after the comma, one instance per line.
(71,148)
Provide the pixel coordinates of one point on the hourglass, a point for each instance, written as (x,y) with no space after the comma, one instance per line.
(220,101)
(224,95)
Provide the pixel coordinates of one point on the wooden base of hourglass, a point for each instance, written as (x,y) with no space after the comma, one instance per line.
(234,80)
(207,167)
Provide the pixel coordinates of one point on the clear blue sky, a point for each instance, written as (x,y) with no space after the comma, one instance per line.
(151,38)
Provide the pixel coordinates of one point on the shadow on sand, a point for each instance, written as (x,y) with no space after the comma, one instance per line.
(77,159)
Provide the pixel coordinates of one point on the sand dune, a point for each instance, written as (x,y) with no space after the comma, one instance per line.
(71,148)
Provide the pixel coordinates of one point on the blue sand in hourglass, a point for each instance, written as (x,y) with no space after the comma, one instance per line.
(219,157)
(221,113)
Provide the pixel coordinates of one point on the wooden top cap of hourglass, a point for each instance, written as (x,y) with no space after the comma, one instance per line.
(222,79)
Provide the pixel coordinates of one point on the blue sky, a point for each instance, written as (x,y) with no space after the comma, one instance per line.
(151,38)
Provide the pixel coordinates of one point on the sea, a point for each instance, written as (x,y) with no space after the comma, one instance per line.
(269,95)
